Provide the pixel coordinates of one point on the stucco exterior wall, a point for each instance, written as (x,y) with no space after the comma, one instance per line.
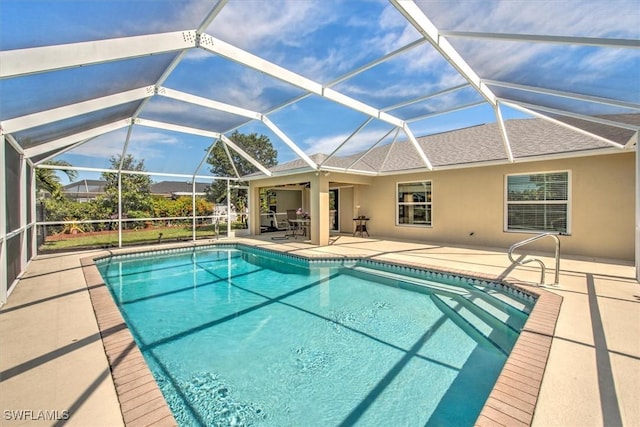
(346,209)
(288,199)
(468,206)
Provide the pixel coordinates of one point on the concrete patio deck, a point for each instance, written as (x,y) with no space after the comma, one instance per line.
(54,371)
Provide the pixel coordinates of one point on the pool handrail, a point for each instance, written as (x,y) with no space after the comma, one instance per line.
(528,260)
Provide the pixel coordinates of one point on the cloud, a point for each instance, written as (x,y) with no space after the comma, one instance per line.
(271,23)
(560,18)
(144,143)
(402,88)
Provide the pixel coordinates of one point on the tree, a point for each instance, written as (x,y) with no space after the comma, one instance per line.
(136,188)
(48,180)
(257,146)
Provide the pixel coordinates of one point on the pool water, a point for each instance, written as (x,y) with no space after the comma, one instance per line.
(238,337)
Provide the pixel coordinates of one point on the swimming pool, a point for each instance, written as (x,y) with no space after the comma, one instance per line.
(246,337)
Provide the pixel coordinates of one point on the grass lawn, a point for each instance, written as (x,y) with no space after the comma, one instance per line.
(129,237)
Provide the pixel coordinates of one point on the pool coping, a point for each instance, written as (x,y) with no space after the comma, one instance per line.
(511,402)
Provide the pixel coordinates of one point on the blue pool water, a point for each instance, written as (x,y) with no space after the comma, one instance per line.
(238,337)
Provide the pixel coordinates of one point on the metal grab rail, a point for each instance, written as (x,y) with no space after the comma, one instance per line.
(528,260)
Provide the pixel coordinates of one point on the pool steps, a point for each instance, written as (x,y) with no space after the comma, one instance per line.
(489,296)
(519,305)
(496,320)
(496,333)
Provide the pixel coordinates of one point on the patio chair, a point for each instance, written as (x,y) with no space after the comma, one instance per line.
(281,223)
(292,227)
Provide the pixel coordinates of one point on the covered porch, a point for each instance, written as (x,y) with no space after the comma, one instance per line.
(331,200)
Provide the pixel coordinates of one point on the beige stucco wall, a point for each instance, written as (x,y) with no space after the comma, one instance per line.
(471,200)
(345,205)
(288,199)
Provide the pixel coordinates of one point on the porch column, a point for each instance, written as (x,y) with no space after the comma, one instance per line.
(254,209)
(319,194)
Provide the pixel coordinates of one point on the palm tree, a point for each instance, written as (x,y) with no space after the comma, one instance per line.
(47,179)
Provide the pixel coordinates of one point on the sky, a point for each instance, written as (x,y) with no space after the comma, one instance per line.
(321,41)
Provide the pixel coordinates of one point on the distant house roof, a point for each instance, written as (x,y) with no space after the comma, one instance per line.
(473,145)
(178,188)
(86,188)
(93,187)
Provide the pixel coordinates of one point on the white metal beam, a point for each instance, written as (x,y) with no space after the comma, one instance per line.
(352,103)
(539,38)
(353,171)
(354,133)
(289,142)
(208,103)
(225,147)
(204,159)
(49,116)
(243,57)
(528,109)
(176,128)
(205,133)
(441,112)
(363,155)
(125,147)
(250,60)
(593,119)
(346,77)
(21,62)
(62,151)
(127,172)
(386,157)
(72,139)
(353,73)
(246,156)
(13,143)
(419,20)
(563,94)
(378,61)
(215,11)
(503,133)
(417,146)
(424,98)
(360,106)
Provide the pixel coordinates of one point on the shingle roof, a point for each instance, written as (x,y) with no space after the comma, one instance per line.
(472,145)
(172,187)
(85,185)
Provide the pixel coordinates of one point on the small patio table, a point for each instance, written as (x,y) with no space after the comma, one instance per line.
(301,225)
(361,226)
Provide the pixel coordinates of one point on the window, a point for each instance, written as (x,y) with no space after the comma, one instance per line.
(537,202)
(414,203)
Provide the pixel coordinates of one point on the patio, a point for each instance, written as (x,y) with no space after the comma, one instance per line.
(51,343)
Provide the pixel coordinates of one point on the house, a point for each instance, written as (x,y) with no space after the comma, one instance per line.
(174,189)
(563,181)
(88,189)
(84,190)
